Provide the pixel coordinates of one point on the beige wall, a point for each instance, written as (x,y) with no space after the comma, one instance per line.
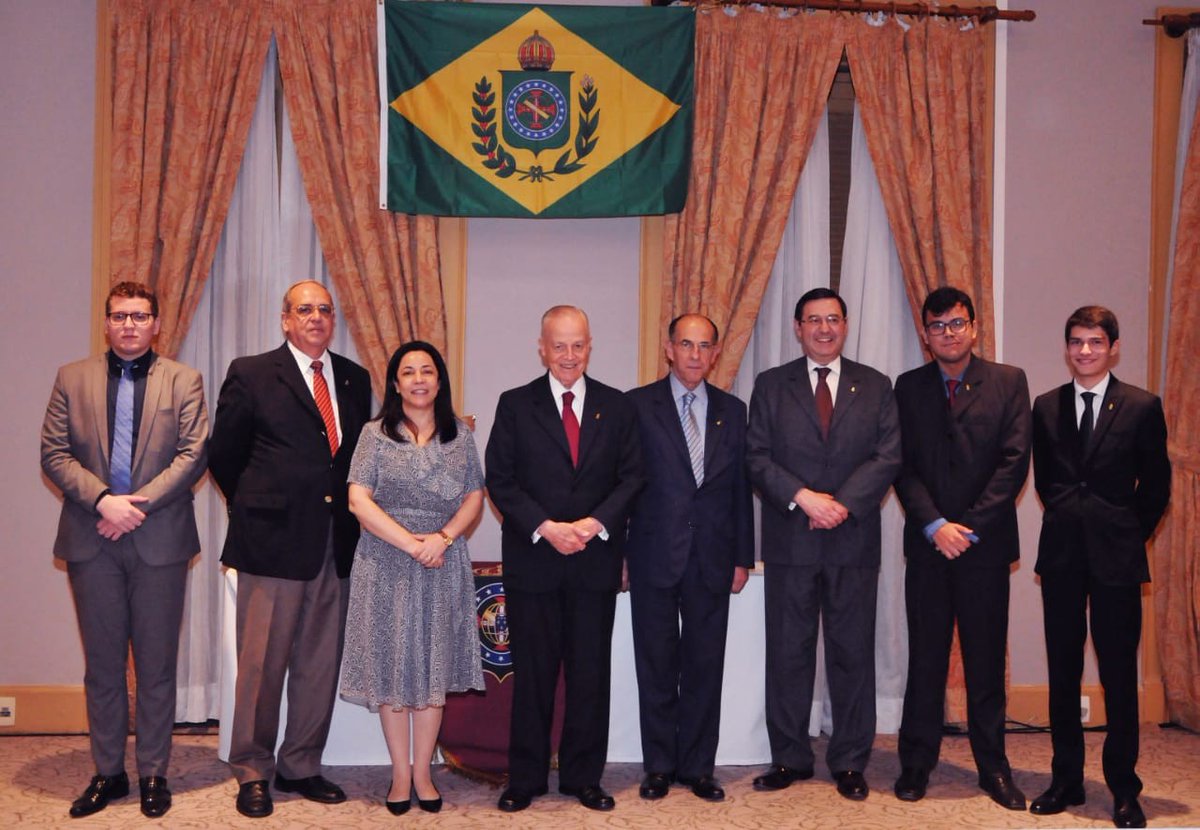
(1077,129)
(1077,216)
(47,62)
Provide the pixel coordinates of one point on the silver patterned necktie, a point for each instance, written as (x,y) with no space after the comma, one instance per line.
(120,465)
(691,434)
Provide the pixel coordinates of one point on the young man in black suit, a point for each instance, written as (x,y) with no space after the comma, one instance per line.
(822,447)
(691,544)
(563,466)
(965,426)
(285,430)
(1101,469)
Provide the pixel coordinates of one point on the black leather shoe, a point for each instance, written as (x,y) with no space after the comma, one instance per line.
(102,790)
(156,798)
(1056,799)
(1000,786)
(592,796)
(705,787)
(851,784)
(515,799)
(314,788)
(655,786)
(1128,813)
(912,783)
(430,805)
(254,799)
(779,777)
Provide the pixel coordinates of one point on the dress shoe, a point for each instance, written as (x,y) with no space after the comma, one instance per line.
(1057,798)
(851,784)
(104,788)
(156,798)
(1000,786)
(779,777)
(705,787)
(655,786)
(514,799)
(254,799)
(396,808)
(911,784)
(1128,813)
(430,805)
(592,796)
(314,788)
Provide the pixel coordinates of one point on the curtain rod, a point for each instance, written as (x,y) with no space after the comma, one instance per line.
(1175,25)
(984,14)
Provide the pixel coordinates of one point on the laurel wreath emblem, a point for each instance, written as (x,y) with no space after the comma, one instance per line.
(502,163)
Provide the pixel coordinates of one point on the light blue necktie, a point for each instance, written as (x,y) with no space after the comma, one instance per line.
(691,434)
(122,446)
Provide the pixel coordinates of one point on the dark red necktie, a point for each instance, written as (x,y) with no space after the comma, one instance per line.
(951,390)
(824,400)
(571,426)
(325,406)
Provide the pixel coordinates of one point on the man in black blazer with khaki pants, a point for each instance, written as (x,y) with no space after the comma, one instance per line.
(1101,469)
(285,430)
(965,427)
(691,543)
(563,466)
(821,486)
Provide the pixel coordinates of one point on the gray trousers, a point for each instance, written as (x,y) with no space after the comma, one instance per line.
(120,600)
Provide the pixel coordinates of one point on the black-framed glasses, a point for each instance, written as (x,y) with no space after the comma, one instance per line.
(956,326)
(305,310)
(139,318)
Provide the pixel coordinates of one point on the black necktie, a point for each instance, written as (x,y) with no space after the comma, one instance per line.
(1087,422)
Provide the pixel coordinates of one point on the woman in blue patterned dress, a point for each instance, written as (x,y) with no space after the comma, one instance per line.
(415,486)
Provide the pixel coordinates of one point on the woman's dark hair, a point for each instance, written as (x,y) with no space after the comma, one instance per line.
(391,414)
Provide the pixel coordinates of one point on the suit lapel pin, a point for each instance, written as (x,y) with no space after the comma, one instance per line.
(968,387)
(719,423)
(853,388)
(1111,406)
(597,416)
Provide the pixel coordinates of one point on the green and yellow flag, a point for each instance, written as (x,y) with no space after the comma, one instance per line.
(535,111)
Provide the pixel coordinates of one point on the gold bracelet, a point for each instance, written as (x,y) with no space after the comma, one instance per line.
(446,537)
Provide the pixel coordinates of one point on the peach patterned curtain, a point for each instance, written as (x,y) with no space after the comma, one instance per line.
(185,77)
(923,94)
(761,84)
(922,89)
(384,265)
(1176,564)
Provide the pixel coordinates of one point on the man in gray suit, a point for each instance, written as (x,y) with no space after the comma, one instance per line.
(124,439)
(822,448)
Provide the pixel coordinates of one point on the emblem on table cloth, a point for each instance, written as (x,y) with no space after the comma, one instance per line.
(493,629)
(537,112)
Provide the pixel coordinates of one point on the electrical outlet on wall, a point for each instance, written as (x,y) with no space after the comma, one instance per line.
(8,711)
(1085,709)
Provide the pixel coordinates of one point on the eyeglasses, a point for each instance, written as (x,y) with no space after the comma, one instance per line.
(307,310)
(139,318)
(816,319)
(956,326)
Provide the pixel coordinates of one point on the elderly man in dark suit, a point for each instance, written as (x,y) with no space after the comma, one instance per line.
(280,452)
(691,543)
(124,440)
(965,426)
(563,466)
(1101,469)
(822,448)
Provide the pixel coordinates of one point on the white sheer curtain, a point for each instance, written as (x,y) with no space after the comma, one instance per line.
(1187,117)
(269,242)
(881,335)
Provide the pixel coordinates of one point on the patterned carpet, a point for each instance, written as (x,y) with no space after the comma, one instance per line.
(39,776)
